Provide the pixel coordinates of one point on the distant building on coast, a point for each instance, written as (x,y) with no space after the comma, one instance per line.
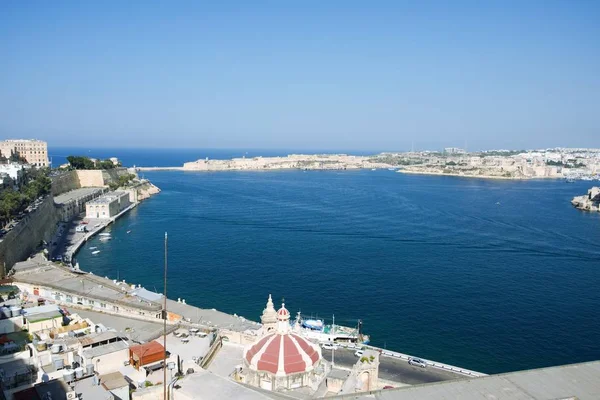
(34,151)
(454,150)
(107,206)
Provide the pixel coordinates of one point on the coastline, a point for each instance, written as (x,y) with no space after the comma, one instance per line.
(507,178)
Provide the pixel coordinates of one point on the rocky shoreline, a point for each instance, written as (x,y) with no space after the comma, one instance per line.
(588,202)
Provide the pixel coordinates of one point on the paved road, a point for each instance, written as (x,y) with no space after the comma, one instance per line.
(395,370)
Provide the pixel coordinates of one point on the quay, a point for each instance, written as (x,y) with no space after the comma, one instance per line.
(218,351)
(71,241)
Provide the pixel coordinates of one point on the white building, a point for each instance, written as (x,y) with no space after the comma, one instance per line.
(16,172)
(108,205)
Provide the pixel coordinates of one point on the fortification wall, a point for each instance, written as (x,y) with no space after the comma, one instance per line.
(90,178)
(65,182)
(99,178)
(26,237)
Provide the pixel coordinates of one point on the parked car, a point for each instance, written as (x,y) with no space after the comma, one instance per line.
(359,353)
(330,346)
(417,362)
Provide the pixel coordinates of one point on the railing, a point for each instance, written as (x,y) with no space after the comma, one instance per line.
(402,356)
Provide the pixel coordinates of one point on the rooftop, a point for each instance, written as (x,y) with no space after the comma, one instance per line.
(147,349)
(90,391)
(43,316)
(108,198)
(39,271)
(574,381)
(135,329)
(75,194)
(204,385)
(54,389)
(95,338)
(114,380)
(98,351)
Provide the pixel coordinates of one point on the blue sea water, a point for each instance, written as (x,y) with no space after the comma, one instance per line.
(433,265)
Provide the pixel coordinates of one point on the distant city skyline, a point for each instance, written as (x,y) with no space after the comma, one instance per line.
(335,76)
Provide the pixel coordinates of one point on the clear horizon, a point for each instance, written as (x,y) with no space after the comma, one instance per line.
(311,76)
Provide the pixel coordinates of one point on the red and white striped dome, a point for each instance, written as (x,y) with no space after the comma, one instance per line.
(282,354)
(283,314)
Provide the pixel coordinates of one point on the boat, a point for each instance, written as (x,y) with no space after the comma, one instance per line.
(128,231)
(93,248)
(104,234)
(316,329)
(314,324)
(105,238)
(96,252)
(373,169)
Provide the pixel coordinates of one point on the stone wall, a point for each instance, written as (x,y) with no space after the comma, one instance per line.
(27,235)
(65,182)
(99,178)
(90,178)
(41,224)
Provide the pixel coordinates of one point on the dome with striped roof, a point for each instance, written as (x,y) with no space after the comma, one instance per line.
(282,353)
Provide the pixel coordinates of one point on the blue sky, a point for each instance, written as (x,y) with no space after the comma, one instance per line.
(319,75)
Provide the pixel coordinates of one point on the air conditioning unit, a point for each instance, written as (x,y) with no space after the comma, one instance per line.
(71,396)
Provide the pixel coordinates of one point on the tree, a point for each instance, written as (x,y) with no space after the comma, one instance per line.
(11,203)
(16,157)
(122,180)
(79,162)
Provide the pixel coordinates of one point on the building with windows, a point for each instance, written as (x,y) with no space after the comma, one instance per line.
(33,150)
(108,205)
(41,278)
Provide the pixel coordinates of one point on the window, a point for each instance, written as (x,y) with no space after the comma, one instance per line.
(103,305)
(91,302)
(115,308)
(69,298)
(80,300)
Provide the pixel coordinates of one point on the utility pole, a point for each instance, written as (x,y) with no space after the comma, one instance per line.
(165,327)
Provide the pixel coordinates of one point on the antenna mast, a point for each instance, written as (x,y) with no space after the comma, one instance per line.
(165,325)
